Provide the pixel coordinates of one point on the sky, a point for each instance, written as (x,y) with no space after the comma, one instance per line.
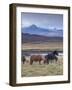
(42,20)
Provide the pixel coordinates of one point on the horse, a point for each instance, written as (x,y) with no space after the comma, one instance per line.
(51,56)
(23,59)
(36,58)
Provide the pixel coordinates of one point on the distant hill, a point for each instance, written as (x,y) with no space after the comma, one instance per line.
(33,29)
(33,38)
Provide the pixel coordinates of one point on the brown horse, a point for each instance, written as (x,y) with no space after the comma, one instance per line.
(36,58)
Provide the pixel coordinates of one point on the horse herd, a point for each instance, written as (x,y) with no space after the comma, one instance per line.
(38,58)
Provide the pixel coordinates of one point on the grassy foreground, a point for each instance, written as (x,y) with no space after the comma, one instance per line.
(54,68)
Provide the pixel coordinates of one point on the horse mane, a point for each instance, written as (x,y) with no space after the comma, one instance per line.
(54,52)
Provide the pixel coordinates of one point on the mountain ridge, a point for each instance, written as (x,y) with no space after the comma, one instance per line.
(32,38)
(33,29)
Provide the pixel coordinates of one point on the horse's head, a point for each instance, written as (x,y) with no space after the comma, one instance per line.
(55,53)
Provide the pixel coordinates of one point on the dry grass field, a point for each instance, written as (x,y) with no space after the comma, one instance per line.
(43,46)
(35,69)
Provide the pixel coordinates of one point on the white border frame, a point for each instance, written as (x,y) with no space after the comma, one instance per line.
(63,77)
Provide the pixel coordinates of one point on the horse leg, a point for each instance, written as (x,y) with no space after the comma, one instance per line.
(31,62)
(40,62)
(47,61)
(23,62)
(44,61)
(56,59)
(51,61)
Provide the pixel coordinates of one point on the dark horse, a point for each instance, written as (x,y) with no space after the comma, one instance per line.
(36,58)
(23,59)
(51,56)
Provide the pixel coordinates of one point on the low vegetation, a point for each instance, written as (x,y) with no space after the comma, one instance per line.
(35,69)
(50,46)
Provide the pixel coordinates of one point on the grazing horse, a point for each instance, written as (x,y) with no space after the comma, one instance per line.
(23,59)
(51,56)
(36,58)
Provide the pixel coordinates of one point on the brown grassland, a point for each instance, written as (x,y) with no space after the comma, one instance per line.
(43,46)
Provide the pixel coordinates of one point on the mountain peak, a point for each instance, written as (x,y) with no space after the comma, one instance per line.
(33,26)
